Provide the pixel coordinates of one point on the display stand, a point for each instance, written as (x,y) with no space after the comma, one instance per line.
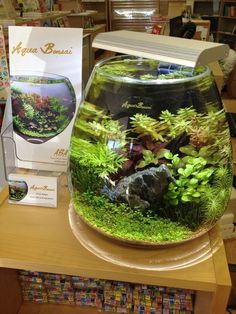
(31,238)
(27,186)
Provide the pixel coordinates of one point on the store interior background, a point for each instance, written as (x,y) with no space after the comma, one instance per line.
(215,21)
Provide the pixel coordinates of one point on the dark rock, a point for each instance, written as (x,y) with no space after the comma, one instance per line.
(144,188)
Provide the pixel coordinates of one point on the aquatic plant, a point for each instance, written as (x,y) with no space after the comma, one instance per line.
(186,214)
(128,67)
(150,158)
(83,178)
(215,197)
(199,191)
(91,112)
(118,69)
(96,156)
(28,110)
(121,222)
(178,123)
(192,178)
(146,77)
(93,124)
(38,116)
(174,75)
(144,125)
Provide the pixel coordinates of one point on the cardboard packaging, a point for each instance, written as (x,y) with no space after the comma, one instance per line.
(45,73)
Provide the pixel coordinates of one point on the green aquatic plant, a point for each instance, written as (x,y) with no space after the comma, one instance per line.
(222,147)
(38,116)
(120,221)
(223,177)
(56,106)
(96,156)
(29,110)
(192,177)
(88,110)
(144,125)
(109,130)
(97,86)
(128,67)
(93,124)
(210,140)
(101,131)
(215,201)
(216,197)
(174,75)
(118,69)
(177,123)
(187,114)
(186,214)
(146,77)
(150,158)
(199,190)
(83,178)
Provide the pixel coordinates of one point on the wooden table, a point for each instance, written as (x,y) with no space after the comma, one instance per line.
(40,239)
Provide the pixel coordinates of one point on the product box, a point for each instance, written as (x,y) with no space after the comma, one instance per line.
(39,188)
(46,80)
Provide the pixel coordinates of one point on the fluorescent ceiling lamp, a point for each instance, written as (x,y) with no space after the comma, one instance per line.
(177,50)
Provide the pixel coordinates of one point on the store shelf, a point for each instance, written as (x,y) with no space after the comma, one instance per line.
(49,15)
(227,33)
(227,17)
(102,10)
(29,308)
(41,239)
(227,22)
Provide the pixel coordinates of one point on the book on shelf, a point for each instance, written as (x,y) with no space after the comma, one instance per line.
(229,10)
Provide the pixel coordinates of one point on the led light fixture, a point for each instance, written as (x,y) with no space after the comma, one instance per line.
(177,50)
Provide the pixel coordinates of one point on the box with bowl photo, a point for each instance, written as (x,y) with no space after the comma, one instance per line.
(45,74)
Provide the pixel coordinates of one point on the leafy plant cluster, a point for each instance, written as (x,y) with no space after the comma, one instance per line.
(200,191)
(192,177)
(195,147)
(96,156)
(38,116)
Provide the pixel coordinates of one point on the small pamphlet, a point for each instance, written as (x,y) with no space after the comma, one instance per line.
(38,189)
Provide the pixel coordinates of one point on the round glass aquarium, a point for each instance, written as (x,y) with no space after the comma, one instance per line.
(43,105)
(150,154)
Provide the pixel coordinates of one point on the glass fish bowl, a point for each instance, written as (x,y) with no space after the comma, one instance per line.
(43,105)
(150,153)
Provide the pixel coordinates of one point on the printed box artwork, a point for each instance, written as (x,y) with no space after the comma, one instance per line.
(46,78)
